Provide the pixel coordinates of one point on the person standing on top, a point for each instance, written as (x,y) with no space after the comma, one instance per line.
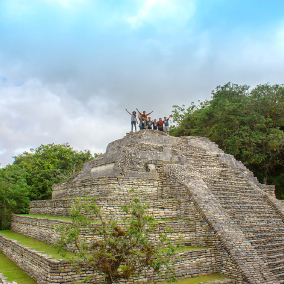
(160,124)
(149,123)
(144,115)
(167,124)
(155,125)
(133,119)
(142,123)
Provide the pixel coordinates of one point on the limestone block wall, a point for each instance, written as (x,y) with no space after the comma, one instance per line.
(41,267)
(160,207)
(47,270)
(166,209)
(105,187)
(193,232)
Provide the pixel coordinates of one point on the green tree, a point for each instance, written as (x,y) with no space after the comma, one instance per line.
(247,124)
(48,165)
(118,249)
(13,194)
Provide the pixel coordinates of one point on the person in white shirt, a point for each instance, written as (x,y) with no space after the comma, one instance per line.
(167,124)
(134,120)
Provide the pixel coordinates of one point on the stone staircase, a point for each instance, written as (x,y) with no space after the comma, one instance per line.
(263,227)
(247,206)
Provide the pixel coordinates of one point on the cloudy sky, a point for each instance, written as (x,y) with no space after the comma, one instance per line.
(69,68)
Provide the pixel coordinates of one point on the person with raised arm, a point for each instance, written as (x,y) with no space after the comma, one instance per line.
(133,119)
(144,115)
(167,124)
(143,118)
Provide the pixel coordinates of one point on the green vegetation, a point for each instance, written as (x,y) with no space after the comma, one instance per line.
(13,272)
(32,175)
(47,217)
(195,280)
(13,194)
(117,250)
(38,245)
(50,164)
(248,124)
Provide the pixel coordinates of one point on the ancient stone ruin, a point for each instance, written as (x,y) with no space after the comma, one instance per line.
(208,198)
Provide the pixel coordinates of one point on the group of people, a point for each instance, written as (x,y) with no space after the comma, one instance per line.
(145,122)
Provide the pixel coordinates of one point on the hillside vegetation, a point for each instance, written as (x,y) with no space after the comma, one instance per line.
(246,123)
(32,175)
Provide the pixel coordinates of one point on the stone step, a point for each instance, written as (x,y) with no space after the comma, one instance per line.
(276,257)
(254,216)
(276,262)
(267,246)
(239,203)
(256,239)
(271,251)
(270,234)
(280,276)
(231,186)
(234,190)
(235,193)
(249,211)
(243,211)
(276,269)
(248,206)
(273,242)
(255,227)
(241,199)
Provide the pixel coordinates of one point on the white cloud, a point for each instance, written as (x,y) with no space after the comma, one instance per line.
(34,114)
(177,12)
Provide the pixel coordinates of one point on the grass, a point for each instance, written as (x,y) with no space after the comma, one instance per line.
(40,246)
(53,217)
(47,217)
(13,272)
(196,280)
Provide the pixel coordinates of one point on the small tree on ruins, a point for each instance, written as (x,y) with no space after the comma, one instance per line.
(118,249)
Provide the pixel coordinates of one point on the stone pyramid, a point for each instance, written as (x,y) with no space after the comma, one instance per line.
(207,197)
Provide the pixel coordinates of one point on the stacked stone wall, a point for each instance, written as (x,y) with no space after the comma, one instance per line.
(159,209)
(105,187)
(164,200)
(191,231)
(47,270)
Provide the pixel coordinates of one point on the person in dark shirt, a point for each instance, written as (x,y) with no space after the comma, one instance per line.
(149,123)
(155,124)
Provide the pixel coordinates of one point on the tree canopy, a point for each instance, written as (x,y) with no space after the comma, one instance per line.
(50,164)
(246,123)
(32,175)
(13,194)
